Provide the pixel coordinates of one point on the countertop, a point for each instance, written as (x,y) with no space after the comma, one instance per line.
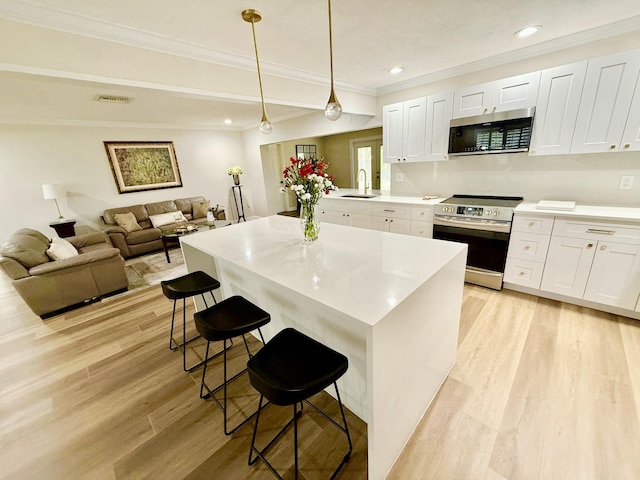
(362,273)
(597,212)
(333,195)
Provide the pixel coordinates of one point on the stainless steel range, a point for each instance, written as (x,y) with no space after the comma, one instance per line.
(484,223)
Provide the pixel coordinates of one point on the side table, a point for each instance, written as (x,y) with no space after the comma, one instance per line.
(64,227)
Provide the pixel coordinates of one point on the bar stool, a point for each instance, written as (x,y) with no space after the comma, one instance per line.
(232,317)
(189,285)
(288,370)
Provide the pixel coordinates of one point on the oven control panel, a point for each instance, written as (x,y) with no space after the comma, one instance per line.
(474,212)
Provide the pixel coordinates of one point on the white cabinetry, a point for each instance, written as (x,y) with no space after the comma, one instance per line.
(422,221)
(605,104)
(344,212)
(557,109)
(439,112)
(403,130)
(527,252)
(507,94)
(391,217)
(599,262)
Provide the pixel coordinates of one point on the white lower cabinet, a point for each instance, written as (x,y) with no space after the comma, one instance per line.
(345,212)
(615,275)
(527,252)
(394,217)
(599,262)
(567,267)
(391,217)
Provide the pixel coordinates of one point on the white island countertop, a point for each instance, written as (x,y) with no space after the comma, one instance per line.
(391,303)
(362,273)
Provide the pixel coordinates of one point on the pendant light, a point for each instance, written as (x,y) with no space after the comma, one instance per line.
(333,110)
(253,16)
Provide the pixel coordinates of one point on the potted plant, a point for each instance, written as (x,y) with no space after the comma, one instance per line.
(235,171)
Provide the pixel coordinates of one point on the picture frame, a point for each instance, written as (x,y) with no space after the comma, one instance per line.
(140,166)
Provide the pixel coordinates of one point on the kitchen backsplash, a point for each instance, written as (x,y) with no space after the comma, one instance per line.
(587,179)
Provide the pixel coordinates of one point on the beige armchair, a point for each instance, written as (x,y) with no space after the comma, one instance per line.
(47,285)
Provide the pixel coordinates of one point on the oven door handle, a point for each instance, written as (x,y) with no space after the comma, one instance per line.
(493,227)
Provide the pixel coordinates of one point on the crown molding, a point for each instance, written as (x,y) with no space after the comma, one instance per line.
(557,44)
(46,16)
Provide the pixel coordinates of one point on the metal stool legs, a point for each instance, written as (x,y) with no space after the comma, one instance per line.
(223,385)
(259,454)
(183,346)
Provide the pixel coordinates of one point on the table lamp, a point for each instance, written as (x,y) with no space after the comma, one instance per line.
(50,192)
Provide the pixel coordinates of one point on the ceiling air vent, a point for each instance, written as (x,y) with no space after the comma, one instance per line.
(112,99)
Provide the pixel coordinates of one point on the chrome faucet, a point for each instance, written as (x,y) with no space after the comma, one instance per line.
(365,179)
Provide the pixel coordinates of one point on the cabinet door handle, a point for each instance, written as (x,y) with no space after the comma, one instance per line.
(603,247)
(600,231)
(521,274)
(627,145)
(590,245)
(531,224)
(526,247)
(387,210)
(612,147)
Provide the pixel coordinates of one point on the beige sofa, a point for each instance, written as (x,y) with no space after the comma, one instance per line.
(144,237)
(96,269)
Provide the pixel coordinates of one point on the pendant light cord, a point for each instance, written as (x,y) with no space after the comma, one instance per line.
(331,51)
(255,46)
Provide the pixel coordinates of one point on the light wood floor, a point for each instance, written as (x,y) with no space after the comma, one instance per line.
(540,390)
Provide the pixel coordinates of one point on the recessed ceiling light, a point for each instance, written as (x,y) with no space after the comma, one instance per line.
(228,121)
(396,70)
(527,31)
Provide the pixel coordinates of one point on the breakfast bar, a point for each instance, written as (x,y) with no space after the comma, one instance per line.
(391,303)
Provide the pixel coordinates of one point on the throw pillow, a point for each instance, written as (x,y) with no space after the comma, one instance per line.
(199,209)
(60,249)
(167,218)
(127,221)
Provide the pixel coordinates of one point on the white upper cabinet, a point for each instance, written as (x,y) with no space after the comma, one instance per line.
(510,93)
(439,112)
(604,107)
(631,135)
(557,109)
(403,130)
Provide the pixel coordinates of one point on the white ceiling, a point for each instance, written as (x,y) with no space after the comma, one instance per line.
(427,38)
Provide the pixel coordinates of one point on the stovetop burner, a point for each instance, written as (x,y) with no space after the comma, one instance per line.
(484,200)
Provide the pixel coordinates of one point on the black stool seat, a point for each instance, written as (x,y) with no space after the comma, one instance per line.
(194,283)
(287,371)
(293,367)
(232,317)
(189,285)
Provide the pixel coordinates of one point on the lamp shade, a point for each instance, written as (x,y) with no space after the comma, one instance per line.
(49,192)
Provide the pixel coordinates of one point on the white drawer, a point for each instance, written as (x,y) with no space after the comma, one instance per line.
(350,206)
(423,214)
(609,231)
(390,210)
(422,229)
(523,272)
(528,246)
(532,224)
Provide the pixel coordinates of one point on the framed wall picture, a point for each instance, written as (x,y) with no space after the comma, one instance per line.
(139,166)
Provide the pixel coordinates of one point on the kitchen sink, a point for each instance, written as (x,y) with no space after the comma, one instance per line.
(360,195)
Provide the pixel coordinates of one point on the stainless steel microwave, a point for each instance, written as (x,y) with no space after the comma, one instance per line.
(501,132)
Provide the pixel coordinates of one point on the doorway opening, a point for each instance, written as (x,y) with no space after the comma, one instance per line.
(367,155)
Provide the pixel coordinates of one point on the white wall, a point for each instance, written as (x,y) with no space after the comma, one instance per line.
(587,179)
(75,158)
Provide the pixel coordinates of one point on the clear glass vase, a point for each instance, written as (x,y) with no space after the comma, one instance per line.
(309,221)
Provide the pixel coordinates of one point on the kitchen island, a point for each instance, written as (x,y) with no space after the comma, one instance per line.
(390,303)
